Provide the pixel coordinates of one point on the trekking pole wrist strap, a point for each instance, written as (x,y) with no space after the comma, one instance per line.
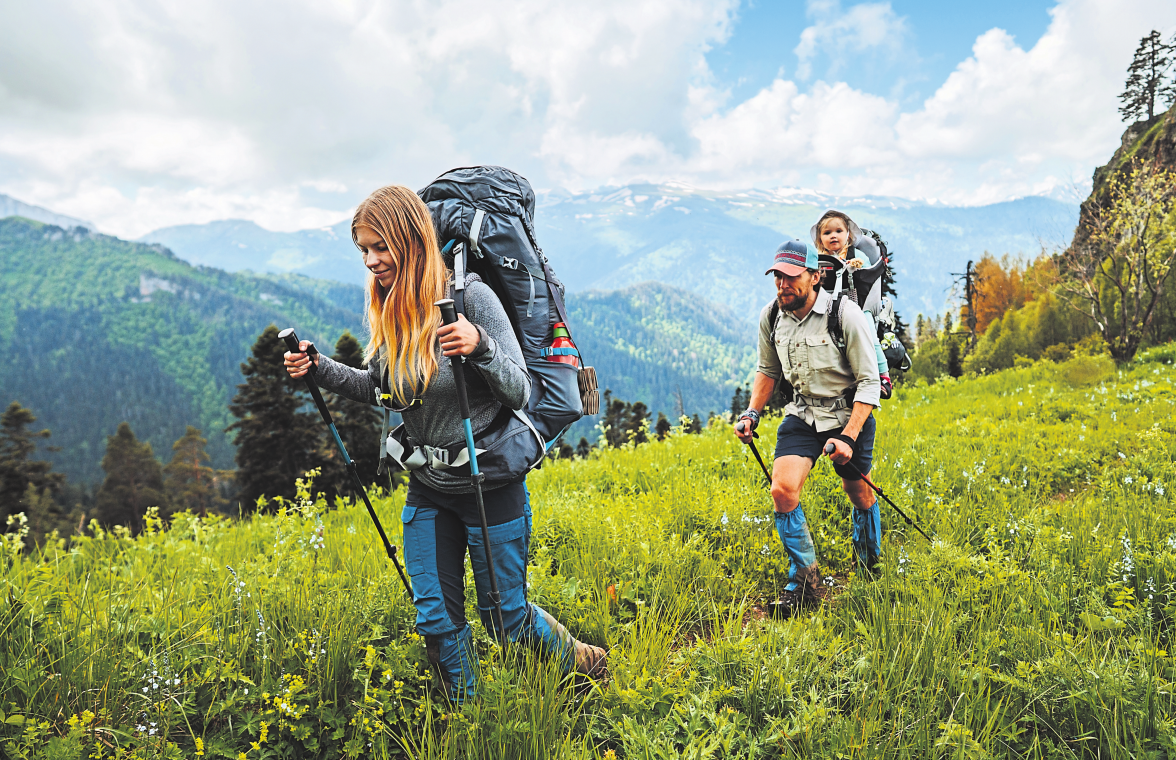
(847,440)
(752,415)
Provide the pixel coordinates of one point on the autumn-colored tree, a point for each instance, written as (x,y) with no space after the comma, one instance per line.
(1000,287)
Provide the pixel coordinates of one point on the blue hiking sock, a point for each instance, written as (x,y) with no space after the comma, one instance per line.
(867,536)
(792,527)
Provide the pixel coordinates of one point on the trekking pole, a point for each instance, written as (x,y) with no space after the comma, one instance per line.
(291,340)
(449,316)
(830,448)
(755,451)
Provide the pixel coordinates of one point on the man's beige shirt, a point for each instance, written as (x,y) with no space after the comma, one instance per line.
(804,354)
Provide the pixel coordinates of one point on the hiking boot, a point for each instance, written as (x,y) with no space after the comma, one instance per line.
(793,602)
(591,661)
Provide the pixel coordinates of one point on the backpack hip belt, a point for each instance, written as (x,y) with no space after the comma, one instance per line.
(437,457)
(844,401)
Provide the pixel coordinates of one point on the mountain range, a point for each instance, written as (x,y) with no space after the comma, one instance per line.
(714,244)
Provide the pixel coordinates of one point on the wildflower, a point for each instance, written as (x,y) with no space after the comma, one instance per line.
(724,520)
(199,747)
(1128,480)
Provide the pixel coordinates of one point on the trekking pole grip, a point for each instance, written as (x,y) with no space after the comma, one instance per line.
(291,339)
(448,312)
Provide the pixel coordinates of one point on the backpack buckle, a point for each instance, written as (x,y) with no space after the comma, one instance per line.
(510,263)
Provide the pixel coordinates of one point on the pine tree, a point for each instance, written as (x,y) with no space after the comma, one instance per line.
(276,441)
(663,426)
(616,419)
(358,425)
(583,448)
(1147,79)
(46,515)
(635,425)
(190,483)
(739,402)
(134,481)
(695,424)
(17,471)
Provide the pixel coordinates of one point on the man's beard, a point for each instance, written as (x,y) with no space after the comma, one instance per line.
(792,301)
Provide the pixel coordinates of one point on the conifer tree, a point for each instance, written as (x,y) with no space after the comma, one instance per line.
(46,515)
(740,401)
(615,419)
(134,481)
(358,425)
(17,470)
(583,448)
(663,426)
(276,440)
(1147,79)
(635,425)
(190,483)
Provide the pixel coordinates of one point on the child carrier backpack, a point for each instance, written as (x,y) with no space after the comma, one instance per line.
(864,286)
(484,217)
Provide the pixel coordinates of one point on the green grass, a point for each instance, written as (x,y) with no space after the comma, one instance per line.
(1038,624)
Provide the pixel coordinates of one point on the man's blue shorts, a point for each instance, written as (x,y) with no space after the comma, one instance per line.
(797,438)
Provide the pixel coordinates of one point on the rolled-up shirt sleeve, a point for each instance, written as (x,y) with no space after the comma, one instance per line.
(769,361)
(859,351)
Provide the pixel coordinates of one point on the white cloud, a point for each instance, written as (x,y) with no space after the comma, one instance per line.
(863,27)
(144,113)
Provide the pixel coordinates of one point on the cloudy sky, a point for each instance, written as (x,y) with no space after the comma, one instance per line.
(139,114)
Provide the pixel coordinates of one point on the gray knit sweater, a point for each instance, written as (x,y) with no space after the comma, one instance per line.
(499,377)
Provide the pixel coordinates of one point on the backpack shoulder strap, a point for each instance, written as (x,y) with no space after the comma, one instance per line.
(773,315)
(833,321)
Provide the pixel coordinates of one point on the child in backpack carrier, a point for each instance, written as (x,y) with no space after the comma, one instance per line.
(834,235)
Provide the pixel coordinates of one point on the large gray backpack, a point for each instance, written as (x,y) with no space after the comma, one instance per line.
(484,217)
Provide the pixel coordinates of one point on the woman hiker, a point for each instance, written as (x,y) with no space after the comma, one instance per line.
(409,371)
(834,235)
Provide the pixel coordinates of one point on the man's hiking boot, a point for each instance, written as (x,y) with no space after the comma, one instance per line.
(591,661)
(793,602)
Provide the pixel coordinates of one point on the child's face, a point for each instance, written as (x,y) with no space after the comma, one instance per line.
(834,236)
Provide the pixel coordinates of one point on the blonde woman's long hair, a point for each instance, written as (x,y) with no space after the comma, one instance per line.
(402,319)
(849,226)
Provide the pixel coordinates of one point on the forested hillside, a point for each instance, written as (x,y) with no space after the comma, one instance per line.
(97,331)
(657,344)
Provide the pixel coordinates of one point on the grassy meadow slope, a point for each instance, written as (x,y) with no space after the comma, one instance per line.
(1038,624)
(99,330)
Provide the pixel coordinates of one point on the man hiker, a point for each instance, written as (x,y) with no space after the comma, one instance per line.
(833,371)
